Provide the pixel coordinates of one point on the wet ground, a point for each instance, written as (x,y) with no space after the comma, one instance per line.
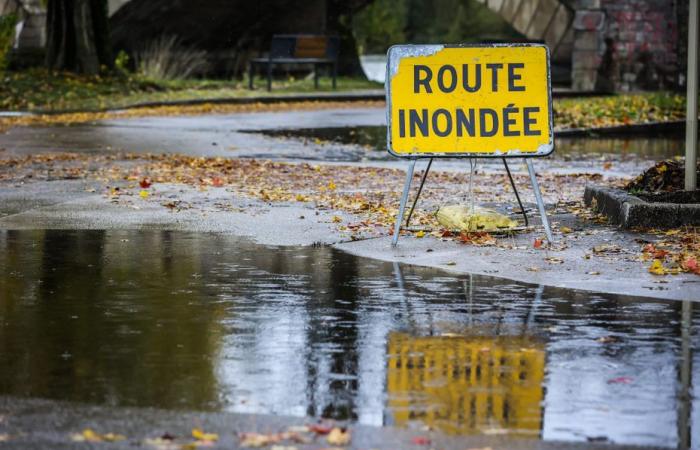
(212,322)
(142,306)
(373,140)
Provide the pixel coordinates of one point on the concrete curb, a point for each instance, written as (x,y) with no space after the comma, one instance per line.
(647,129)
(349,96)
(334,96)
(630,211)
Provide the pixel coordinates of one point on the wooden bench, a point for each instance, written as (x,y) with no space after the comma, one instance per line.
(316,50)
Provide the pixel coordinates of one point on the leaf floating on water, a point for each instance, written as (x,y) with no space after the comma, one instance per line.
(145,183)
(420,234)
(537,243)
(143,194)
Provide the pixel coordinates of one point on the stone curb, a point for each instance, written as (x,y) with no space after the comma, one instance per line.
(630,211)
(647,129)
(350,96)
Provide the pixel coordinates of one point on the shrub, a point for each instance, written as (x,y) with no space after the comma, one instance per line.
(166,58)
(7,34)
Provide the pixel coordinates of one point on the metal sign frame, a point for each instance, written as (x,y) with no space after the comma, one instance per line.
(415,50)
(414,157)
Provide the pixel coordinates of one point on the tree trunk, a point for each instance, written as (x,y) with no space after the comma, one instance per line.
(77,36)
(339,21)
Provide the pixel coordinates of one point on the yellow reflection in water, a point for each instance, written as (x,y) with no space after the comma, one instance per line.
(466,385)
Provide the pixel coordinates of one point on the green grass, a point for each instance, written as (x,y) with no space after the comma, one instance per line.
(38,90)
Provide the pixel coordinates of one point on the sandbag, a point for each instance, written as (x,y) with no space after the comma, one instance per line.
(463,218)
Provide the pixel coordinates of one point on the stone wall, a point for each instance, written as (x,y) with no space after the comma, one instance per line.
(644,37)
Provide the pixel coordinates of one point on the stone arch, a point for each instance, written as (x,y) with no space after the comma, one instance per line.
(540,20)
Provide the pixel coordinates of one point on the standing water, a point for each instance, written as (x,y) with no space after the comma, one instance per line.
(212,322)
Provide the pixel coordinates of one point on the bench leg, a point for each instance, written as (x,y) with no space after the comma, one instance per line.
(335,74)
(269,76)
(315,76)
(251,72)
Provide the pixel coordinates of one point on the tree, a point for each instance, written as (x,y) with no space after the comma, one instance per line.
(77,36)
(339,15)
(233,31)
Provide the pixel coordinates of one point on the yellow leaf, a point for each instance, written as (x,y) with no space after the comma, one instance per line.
(420,234)
(331,185)
(657,268)
(143,194)
(565,230)
(338,436)
(202,436)
(337,219)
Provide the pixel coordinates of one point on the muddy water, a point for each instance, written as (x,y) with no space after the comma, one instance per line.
(373,140)
(210,322)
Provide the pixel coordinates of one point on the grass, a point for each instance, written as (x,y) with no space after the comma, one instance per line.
(38,90)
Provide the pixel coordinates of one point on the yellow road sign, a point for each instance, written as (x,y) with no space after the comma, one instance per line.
(471,101)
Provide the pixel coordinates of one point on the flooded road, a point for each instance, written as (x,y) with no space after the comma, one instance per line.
(372,139)
(212,322)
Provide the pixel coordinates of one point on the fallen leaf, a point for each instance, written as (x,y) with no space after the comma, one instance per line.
(339,436)
(621,380)
(657,268)
(420,234)
(202,436)
(320,428)
(145,183)
(554,260)
(89,435)
(565,230)
(537,243)
(143,194)
(420,440)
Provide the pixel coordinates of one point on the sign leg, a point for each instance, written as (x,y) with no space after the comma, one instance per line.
(420,189)
(402,205)
(540,202)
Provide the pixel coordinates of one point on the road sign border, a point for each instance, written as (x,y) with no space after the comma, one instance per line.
(421,155)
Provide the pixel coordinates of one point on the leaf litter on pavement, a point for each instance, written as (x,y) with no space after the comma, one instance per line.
(368,195)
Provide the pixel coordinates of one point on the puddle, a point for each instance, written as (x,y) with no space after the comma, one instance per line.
(212,322)
(373,140)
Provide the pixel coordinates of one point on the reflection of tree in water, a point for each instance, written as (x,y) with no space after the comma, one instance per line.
(342,297)
(111,320)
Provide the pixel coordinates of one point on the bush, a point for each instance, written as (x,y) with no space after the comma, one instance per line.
(166,59)
(7,34)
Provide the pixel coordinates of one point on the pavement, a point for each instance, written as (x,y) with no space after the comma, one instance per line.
(79,204)
(39,424)
(69,204)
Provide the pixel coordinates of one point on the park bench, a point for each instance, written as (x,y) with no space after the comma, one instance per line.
(297,49)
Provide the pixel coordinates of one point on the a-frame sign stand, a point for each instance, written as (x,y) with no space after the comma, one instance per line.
(407,188)
(448,101)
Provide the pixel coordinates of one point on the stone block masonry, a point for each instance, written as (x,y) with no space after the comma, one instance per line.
(645,38)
